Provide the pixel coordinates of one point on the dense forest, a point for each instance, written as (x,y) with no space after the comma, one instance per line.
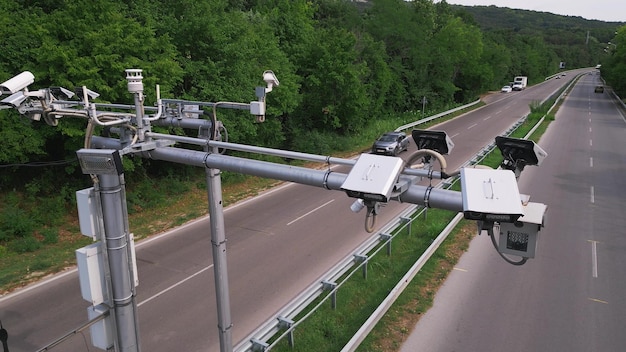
(576,41)
(342,66)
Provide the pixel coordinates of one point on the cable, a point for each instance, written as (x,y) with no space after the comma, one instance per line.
(369,224)
(41,163)
(495,245)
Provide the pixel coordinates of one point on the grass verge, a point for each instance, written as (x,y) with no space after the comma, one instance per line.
(330,330)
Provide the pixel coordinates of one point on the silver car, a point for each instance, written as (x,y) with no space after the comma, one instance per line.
(391,143)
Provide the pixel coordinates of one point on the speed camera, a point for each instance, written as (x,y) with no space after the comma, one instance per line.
(518,153)
(373,177)
(433,140)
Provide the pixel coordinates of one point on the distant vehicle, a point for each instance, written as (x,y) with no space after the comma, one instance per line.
(520,82)
(506,89)
(599,89)
(391,143)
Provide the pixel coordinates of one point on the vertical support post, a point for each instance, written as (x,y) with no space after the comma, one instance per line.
(331,287)
(218,240)
(117,242)
(4,338)
(407,220)
(387,238)
(284,323)
(105,166)
(362,259)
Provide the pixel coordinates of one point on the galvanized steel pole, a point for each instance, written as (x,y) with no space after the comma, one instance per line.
(218,241)
(117,241)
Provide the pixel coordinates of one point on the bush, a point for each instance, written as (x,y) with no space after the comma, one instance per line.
(24,245)
(15,223)
(50,235)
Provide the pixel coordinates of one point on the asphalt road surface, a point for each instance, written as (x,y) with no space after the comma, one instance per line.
(571,296)
(278,244)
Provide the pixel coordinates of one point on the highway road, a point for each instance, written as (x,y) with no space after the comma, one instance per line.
(278,244)
(571,296)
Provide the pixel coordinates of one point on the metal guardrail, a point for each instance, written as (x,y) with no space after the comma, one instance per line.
(283,321)
(284,318)
(434,117)
(366,328)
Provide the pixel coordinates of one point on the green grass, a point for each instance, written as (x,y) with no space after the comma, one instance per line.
(19,268)
(329,330)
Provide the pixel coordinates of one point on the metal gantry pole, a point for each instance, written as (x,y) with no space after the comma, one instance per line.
(220,269)
(117,241)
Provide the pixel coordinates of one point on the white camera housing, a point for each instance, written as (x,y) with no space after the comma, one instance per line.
(14,100)
(83,92)
(490,195)
(373,177)
(270,78)
(17,83)
(520,238)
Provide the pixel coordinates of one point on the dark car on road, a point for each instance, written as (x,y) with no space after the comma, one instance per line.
(391,143)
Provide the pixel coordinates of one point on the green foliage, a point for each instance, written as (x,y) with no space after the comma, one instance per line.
(24,245)
(576,41)
(342,65)
(614,63)
(15,222)
(21,219)
(345,69)
(50,235)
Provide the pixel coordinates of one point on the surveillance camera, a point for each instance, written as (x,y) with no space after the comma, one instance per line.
(518,153)
(270,78)
(433,140)
(17,83)
(61,93)
(81,91)
(14,100)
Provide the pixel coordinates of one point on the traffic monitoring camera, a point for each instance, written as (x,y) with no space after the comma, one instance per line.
(490,195)
(373,177)
(433,140)
(518,153)
(17,83)
(520,238)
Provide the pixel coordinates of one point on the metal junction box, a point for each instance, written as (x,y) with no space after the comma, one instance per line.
(86,204)
(102,331)
(91,273)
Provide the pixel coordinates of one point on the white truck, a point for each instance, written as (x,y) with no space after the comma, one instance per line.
(520,82)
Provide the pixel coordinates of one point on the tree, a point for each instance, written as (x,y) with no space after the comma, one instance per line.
(334,98)
(614,65)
